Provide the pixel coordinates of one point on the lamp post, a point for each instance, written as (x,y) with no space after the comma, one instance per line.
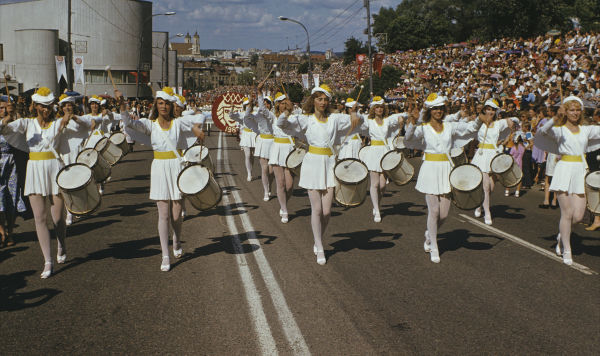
(163,57)
(137,86)
(307,44)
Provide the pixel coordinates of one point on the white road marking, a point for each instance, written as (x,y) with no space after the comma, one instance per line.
(261,325)
(288,322)
(519,241)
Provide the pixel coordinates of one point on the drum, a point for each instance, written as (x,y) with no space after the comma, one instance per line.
(509,174)
(78,188)
(120,140)
(351,182)
(362,153)
(198,154)
(197,184)
(91,158)
(396,168)
(111,153)
(592,191)
(458,156)
(466,185)
(294,160)
(398,142)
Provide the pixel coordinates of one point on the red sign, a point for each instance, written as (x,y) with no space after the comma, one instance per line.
(360,59)
(223,106)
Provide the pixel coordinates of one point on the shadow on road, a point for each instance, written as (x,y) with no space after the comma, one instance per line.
(454,240)
(144,177)
(220,210)
(362,240)
(125,210)
(578,247)
(506,212)
(402,209)
(11,299)
(9,252)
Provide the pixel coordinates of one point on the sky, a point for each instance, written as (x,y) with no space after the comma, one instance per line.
(232,24)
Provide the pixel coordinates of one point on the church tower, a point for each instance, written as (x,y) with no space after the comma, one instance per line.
(196,44)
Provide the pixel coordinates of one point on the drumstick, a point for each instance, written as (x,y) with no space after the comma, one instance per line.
(151,88)
(268,75)
(277,74)
(110,76)
(6,84)
(359,92)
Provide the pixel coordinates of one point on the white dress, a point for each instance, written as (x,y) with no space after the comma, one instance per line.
(551,161)
(100,130)
(247,136)
(484,155)
(379,133)
(164,172)
(434,176)
(317,169)
(41,173)
(569,176)
(264,127)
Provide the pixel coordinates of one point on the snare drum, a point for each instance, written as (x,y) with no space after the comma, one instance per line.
(458,156)
(398,142)
(78,188)
(198,154)
(197,184)
(509,174)
(294,160)
(111,153)
(91,158)
(396,167)
(120,140)
(362,153)
(466,186)
(351,182)
(592,191)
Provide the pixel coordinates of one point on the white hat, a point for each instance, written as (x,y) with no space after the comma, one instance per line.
(323,88)
(573,98)
(166,93)
(63,99)
(268,98)
(376,101)
(95,99)
(179,101)
(350,103)
(245,101)
(103,102)
(279,97)
(434,100)
(43,96)
(493,103)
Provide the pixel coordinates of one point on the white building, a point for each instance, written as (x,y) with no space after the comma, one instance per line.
(104,32)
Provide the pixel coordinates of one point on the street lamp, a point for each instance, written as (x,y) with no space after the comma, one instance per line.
(137,86)
(163,57)
(307,43)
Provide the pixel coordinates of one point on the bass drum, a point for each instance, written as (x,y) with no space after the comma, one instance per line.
(592,191)
(294,160)
(78,189)
(198,154)
(458,156)
(466,186)
(509,174)
(351,183)
(198,185)
(91,158)
(111,153)
(396,168)
(398,142)
(362,153)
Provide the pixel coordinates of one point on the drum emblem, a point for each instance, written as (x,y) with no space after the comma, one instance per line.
(223,106)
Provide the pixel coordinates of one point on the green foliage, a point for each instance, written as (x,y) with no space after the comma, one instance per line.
(353,47)
(253,59)
(325,65)
(303,67)
(245,78)
(390,77)
(295,92)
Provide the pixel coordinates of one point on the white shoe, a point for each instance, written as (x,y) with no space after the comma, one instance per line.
(46,273)
(69,219)
(249,179)
(487,220)
(280,212)
(60,259)
(183,213)
(165,267)
(377,217)
(517,194)
(567,259)
(435,256)
(266,197)
(177,253)
(321,257)
(426,244)
(477,212)
(506,193)
(101,191)
(558,249)
(284,218)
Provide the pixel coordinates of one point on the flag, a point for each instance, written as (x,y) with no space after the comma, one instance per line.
(78,69)
(61,68)
(378,62)
(360,59)
(316,79)
(305,81)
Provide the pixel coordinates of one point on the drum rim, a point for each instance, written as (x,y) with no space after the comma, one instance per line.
(585,179)
(345,205)
(466,191)
(98,155)
(586,185)
(78,188)
(395,150)
(351,159)
(105,146)
(86,212)
(288,157)
(211,175)
(385,172)
(508,169)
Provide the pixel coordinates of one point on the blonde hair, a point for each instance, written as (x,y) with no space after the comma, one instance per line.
(562,118)
(386,111)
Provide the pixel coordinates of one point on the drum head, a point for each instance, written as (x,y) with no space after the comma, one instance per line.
(89,157)
(100,145)
(350,170)
(196,153)
(455,152)
(193,179)
(466,177)
(399,142)
(391,160)
(73,176)
(294,159)
(593,179)
(501,163)
(117,138)
(362,153)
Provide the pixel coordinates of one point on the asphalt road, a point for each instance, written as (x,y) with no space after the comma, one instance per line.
(248,284)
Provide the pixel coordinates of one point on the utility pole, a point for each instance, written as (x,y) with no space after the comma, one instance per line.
(368,6)
(69,51)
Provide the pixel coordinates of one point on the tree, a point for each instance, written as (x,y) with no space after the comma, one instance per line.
(253,59)
(325,66)
(353,47)
(303,67)
(295,92)
(390,77)
(246,78)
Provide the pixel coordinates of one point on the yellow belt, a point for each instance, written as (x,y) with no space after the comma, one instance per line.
(569,158)
(488,146)
(266,137)
(438,157)
(282,140)
(325,151)
(377,143)
(166,154)
(41,156)
(247,130)
(356,137)
(98,133)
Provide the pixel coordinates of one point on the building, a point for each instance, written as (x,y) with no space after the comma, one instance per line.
(105,33)
(164,62)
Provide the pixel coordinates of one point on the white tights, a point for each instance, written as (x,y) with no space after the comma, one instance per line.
(57,208)
(266,175)
(320,205)
(488,188)
(437,212)
(572,208)
(249,159)
(285,185)
(377,188)
(165,220)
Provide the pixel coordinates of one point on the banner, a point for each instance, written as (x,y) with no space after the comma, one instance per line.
(316,79)
(378,62)
(61,68)
(224,105)
(78,69)
(360,59)
(305,81)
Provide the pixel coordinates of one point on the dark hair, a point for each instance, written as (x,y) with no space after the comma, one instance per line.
(427,116)
(309,105)
(155,108)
